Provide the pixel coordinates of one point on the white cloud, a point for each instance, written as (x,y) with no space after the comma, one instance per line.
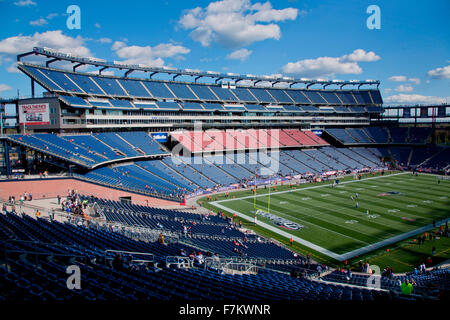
(329,66)
(413,99)
(97,25)
(235,23)
(104,40)
(13,68)
(39,22)
(398,78)
(52,39)
(404,79)
(404,88)
(25,3)
(360,55)
(440,73)
(4,87)
(52,15)
(415,80)
(241,54)
(323,66)
(151,56)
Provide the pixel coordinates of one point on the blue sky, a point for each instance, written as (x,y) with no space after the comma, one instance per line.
(409,54)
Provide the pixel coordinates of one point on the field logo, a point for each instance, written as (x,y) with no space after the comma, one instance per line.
(389,193)
(281,222)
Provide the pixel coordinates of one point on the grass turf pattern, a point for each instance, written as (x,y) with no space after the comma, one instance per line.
(396,204)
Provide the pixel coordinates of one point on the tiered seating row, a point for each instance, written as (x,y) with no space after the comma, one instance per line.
(90,150)
(221,140)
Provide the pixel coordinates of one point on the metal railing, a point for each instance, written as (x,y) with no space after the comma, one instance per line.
(131,254)
(179,262)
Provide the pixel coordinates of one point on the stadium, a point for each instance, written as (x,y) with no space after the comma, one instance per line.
(138,183)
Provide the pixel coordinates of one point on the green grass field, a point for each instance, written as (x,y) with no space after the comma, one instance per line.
(331,220)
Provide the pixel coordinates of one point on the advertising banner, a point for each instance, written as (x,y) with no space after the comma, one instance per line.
(34,114)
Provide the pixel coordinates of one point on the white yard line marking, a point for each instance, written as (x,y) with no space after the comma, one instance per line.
(308,188)
(339,257)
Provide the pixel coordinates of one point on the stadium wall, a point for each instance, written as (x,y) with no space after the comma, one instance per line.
(51,187)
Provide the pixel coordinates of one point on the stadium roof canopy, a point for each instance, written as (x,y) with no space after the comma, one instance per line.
(53,56)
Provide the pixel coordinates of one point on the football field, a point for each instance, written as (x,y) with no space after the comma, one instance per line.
(353,217)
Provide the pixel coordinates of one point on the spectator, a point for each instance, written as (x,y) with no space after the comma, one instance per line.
(117,262)
(161,238)
(407,287)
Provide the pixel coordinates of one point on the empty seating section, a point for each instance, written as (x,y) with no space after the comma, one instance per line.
(330,97)
(143,141)
(318,140)
(75,101)
(439,161)
(376,96)
(91,143)
(192,106)
(243,95)
(223,94)
(38,142)
(93,149)
(188,172)
(203,92)
(298,96)
(38,279)
(289,160)
(420,155)
(181,91)
(85,83)
(399,134)
(346,97)
(42,75)
(110,86)
(348,158)
(362,97)
(158,89)
(285,139)
(359,135)
(307,157)
(306,138)
(117,143)
(219,140)
(60,79)
(229,164)
(366,154)
(314,97)
(401,155)
(333,160)
(378,134)
(280,96)
(122,104)
(262,95)
(214,173)
(241,140)
(134,88)
(159,168)
(419,134)
(91,84)
(381,135)
(135,179)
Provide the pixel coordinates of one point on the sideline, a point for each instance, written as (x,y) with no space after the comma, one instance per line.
(329,253)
